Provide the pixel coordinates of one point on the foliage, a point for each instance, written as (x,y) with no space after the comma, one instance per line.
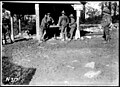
(26,24)
(94,16)
(91,12)
(93,20)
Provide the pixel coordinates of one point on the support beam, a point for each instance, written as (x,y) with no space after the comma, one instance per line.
(12,36)
(19,27)
(37,22)
(78,8)
(77,34)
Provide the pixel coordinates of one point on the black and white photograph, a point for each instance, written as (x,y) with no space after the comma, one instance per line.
(59,43)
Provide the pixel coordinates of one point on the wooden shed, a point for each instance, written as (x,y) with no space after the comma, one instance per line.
(39,8)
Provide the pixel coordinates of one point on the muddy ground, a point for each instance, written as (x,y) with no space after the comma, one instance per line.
(62,63)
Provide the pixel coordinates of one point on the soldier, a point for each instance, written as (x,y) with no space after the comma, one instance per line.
(6,30)
(72,26)
(44,26)
(106,21)
(63,23)
(50,21)
(6,26)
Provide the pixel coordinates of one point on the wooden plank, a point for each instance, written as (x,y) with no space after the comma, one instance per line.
(19,27)
(54,26)
(77,33)
(89,24)
(12,36)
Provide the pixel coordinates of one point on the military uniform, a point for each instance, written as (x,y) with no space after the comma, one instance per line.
(44,26)
(72,26)
(50,20)
(106,21)
(63,23)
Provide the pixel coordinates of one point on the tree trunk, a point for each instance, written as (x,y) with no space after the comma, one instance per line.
(115,5)
(83,14)
(109,7)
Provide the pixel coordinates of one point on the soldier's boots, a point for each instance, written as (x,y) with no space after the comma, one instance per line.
(108,38)
(66,38)
(63,39)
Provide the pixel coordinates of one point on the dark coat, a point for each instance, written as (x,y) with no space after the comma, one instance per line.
(50,20)
(72,24)
(63,21)
(44,22)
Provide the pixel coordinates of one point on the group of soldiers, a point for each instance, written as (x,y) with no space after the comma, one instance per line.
(64,23)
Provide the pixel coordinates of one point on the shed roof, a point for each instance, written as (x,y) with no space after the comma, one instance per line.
(20,8)
(28,8)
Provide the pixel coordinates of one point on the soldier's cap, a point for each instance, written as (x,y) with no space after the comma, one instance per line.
(71,15)
(106,10)
(48,13)
(63,12)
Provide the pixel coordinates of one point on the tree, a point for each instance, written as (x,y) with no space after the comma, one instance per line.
(115,10)
(112,6)
(83,12)
(91,11)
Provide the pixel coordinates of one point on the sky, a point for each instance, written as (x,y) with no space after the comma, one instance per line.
(94,4)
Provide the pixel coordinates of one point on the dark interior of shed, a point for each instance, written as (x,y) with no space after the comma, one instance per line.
(29,8)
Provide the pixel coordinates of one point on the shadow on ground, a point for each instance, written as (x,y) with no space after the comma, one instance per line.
(13,74)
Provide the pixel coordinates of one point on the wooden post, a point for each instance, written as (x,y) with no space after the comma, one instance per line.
(12,36)
(37,22)
(78,8)
(77,34)
(19,27)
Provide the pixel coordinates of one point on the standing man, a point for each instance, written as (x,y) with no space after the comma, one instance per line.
(72,26)
(50,21)
(106,21)
(63,23)
(6,27)
(44,26)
